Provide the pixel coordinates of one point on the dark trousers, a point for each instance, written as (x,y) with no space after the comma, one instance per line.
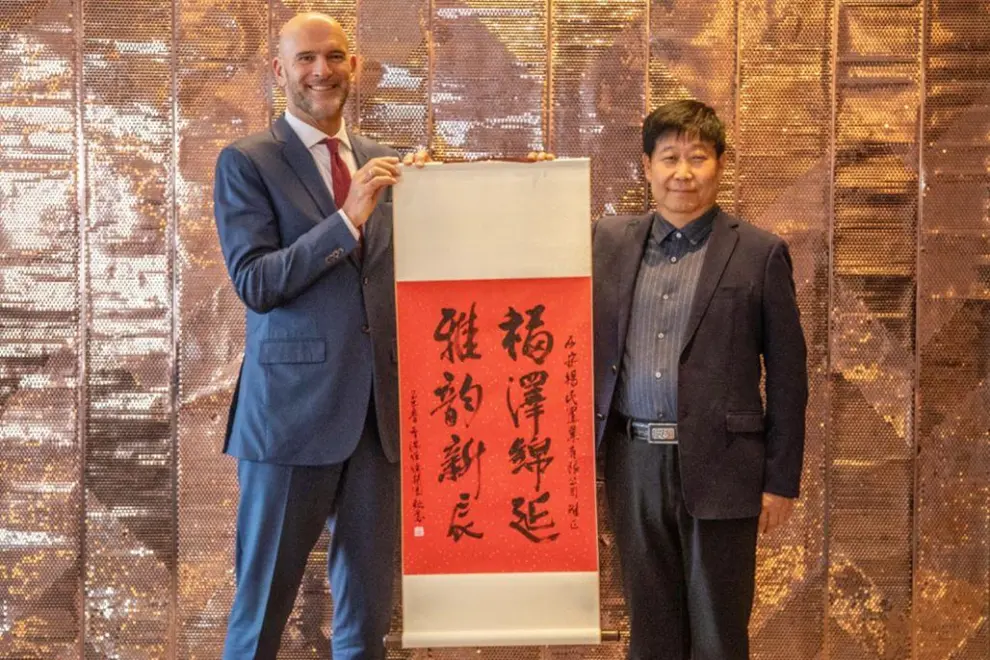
(280,516)
(688,583)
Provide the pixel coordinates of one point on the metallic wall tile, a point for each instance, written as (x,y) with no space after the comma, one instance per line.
(394,84)
(489,74)
(598,59)
(129,496)
(223,93)
(40,336)
(872,443)
(952,570)
(783,131)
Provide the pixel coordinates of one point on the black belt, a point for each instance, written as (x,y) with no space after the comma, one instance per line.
(654,433)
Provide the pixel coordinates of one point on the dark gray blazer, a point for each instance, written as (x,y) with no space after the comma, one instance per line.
(745,306)
(320,321)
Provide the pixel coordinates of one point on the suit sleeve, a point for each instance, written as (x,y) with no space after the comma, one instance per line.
(785,356)
(265,273)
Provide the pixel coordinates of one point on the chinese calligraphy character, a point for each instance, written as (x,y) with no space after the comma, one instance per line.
(531,455)
(458,459)
(537,345)
(458,530)
(533,519)
(458,331)
(470,394)
(532,398)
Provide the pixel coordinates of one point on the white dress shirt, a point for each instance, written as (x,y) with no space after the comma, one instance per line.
(312,138)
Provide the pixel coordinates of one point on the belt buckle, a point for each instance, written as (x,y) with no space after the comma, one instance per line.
(662,434)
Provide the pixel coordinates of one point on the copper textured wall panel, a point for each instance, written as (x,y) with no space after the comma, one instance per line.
(598,59)
(128,478)
(858,130)
(488,77)
(952,575)
(783,131)
(223,93)
(41,341)
(394,83)
(872,444)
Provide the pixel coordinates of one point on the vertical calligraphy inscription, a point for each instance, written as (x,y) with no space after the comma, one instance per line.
(456,333)
(498,443)
(415,465)
(572,380)
(531,516)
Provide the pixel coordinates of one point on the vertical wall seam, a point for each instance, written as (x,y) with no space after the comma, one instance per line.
(829,312)
(82,301)
(647,89)
(269,81)
(357,49)
(173,261)
(430,64)
(736,86)
(915,416)
(548,87)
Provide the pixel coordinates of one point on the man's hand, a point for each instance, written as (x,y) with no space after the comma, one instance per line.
(418,159)
(366,186)
(776,510)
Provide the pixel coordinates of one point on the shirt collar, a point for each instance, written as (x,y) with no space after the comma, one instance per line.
(310,135)
(695,231)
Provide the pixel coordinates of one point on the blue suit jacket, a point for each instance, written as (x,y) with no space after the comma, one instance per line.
(320,321)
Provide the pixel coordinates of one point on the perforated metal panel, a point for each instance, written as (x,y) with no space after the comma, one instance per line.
(952,527)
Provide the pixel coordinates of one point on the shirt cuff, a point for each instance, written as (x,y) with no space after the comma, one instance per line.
(350,225)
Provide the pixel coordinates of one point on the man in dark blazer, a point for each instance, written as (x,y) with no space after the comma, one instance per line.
(687,301)
(304,218)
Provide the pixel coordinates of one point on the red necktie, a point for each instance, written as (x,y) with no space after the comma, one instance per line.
(341,179)
(339,174)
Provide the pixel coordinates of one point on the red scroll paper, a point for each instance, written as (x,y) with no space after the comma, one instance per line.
(495,369)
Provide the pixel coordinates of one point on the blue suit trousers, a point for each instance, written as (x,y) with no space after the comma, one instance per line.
(281,513)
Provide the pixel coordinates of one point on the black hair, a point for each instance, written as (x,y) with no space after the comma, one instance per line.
(692,119)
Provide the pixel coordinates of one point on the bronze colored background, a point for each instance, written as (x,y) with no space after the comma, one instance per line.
(860,131)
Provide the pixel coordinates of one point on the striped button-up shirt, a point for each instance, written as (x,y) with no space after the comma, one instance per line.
(665,286)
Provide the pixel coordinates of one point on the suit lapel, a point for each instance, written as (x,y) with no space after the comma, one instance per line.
(632,244)
(721,244)
(360,154)
(378,229)
(301,161)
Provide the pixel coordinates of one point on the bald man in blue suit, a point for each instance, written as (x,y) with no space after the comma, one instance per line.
(303,213)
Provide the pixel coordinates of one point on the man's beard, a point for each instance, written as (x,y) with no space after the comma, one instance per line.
(325,109)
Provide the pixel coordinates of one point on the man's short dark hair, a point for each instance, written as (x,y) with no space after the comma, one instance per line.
(691,119)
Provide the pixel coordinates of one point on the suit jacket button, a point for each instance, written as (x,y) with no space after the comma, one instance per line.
(615,368)
(366,281)
(599,416)
(366,329)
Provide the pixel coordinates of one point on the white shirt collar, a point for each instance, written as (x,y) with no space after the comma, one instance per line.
(310,135)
